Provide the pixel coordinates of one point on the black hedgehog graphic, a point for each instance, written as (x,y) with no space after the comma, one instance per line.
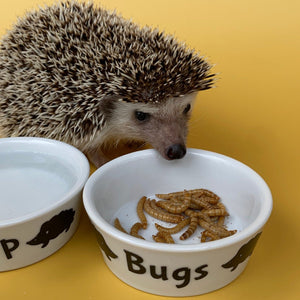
(108,252)
(53,228)
(245,251)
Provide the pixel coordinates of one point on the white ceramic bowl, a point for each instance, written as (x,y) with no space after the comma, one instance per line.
(41,184)
(189,268)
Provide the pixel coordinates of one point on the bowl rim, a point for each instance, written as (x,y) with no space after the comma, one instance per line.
(75,189)
(102,225)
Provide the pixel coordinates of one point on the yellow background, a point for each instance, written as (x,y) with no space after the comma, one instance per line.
(252,115)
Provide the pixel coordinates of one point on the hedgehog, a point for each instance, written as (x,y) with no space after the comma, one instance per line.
(81,74)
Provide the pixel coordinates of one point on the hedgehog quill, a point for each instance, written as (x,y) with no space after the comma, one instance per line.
(88,77)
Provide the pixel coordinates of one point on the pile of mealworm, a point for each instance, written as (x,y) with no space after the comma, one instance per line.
(188,208)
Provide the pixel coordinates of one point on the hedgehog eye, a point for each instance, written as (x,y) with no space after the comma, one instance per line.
(141,116)
(187,109)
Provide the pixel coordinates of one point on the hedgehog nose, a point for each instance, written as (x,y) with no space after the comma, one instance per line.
(176,151)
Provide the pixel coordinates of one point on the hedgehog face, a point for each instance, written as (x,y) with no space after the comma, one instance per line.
(164,125)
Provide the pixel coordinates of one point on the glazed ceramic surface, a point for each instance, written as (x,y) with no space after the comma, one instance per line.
(41,182)
(189,267)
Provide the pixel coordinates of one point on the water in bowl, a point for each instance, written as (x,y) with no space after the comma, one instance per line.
(30,182)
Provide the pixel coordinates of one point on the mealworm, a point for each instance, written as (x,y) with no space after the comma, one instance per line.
(171,207)
(166,236)
(176,199)
(153,204)
(209,200)
(134,231)
(194,206)
(218,210)
(158,239)
(176,207)
(210,194)
(221,221)
(191,229)
(203,236)
(184,208)
(175,229)
(215,229)
(207,234)
(198,197)
(201,203)
(159,213)
(221,206)
(140,212)
(178,194)
(215,212)
(214,219)
(118,225)
(170,195)
(192,213)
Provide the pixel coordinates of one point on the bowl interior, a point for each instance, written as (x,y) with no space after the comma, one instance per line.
(36,174)
(114,189)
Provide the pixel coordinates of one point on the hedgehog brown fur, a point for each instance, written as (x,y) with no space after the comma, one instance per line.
(58,65)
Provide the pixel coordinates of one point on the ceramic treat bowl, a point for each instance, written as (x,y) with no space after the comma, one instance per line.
(191,267)
(41,184)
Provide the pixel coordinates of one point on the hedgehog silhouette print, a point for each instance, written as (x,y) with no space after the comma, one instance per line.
(245,251)
(108,252)
(88,77)
(53,228)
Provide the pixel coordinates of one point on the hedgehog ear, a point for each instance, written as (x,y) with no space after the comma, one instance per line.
(108,102)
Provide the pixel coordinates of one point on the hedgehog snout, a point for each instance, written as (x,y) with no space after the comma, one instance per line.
(176,151)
